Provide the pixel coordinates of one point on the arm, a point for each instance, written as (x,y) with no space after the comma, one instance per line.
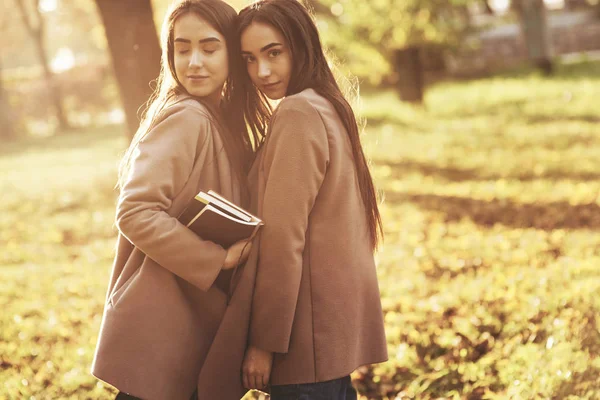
(160,167)
(295,162)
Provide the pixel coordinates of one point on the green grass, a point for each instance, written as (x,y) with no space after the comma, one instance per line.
(489,272)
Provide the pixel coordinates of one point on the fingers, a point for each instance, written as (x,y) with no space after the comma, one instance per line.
(246,380)
(254,380)
(245,253)
(256,368)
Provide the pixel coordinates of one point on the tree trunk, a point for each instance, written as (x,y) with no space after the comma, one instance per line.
(53,86)
(135,51)
(37,32)
(7,130)
(486,6)
(411,79)
(536,30)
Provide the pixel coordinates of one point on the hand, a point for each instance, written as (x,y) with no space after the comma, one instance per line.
(237,254)
(256,368)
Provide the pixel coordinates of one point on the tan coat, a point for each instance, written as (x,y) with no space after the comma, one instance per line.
(316,302)
(313,298)
(162,309)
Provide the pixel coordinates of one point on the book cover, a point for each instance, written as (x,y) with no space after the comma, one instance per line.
(214,218)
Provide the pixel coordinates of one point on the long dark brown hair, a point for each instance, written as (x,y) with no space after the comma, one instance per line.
(232,126)
(310,70)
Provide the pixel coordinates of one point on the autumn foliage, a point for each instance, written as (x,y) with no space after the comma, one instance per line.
(489,272)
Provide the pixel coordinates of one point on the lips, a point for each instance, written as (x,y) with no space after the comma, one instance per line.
(270,86)
(196,77)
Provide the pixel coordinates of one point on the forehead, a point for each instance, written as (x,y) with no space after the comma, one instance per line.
(257,35)
(193,27)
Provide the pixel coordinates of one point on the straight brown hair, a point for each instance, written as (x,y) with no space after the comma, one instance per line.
(310,70)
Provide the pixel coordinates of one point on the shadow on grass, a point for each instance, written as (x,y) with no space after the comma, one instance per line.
(407,167)
(377,121)
(542,119)
(515,110)
(546,216)
(77,138)
(576,71)
(579,384)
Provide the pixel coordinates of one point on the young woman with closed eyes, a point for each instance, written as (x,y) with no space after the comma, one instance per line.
(163,307)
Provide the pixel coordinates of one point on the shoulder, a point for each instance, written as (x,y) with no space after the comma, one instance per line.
(183,119)
(185,108)
(300,111)
(297,123)
(299,103)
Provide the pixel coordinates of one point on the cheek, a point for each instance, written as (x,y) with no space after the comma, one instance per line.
(180,65)
(288,67)
(252,71)
(225,64)
(219,64)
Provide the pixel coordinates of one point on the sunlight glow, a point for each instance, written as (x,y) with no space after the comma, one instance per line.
(63,61)
(48,5)
(555,4)
(499,6)
(502,6)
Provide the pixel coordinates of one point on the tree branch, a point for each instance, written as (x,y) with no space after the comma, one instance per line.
(23,12)
(40,17)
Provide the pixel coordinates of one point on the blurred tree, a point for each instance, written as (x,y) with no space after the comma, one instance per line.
(35,24)
(7,130)
(486,6)
(375,38)
(536,30)
(6,124)
(135,51)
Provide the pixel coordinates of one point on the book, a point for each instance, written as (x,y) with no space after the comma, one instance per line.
(213,217)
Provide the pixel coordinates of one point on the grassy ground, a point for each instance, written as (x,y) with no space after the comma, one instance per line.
(489,273)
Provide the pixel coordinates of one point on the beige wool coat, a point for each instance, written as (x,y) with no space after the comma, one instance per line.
(162,308)
(316,302)
(309,290)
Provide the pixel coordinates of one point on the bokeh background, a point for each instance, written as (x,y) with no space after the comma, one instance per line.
(483,129)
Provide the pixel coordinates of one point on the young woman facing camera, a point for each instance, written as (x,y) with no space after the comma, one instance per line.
(316,310)
(162,307)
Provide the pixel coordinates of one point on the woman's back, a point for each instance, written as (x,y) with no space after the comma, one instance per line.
(162,310)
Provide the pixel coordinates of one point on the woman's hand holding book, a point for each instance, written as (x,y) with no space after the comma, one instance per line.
(237,254)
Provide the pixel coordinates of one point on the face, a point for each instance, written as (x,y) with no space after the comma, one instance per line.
(268,59)
(201,62)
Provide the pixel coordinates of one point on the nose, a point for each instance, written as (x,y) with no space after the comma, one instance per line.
(264,70)
(196,59)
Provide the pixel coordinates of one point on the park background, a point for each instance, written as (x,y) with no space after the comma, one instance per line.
(482,126)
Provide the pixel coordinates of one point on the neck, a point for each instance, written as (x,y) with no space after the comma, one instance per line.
(214,100)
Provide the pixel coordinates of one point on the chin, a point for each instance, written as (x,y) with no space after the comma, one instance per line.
(275,96)
(199,92)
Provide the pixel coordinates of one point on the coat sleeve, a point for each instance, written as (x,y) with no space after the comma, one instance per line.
(295,162)
(160,167)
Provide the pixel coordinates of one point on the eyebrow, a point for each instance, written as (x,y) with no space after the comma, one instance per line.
(265,48)
(206,40)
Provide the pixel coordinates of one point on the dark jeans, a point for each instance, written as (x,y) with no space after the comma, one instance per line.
(125,396)
(337,389)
